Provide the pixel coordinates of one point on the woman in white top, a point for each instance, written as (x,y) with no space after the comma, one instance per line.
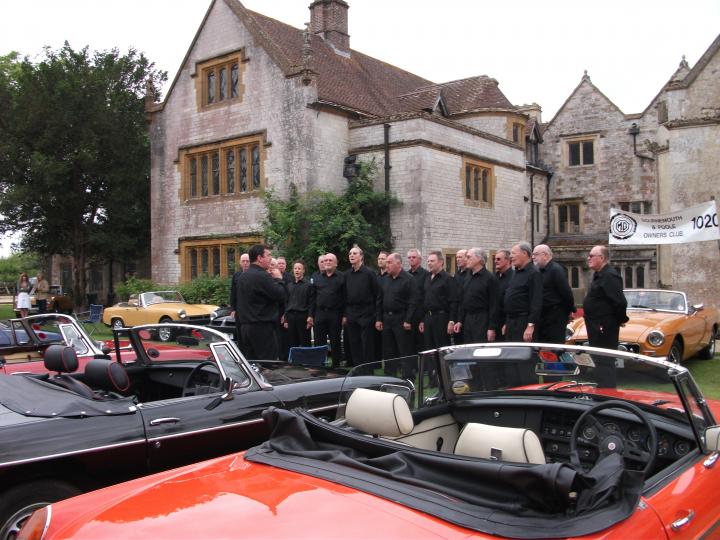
(23,294)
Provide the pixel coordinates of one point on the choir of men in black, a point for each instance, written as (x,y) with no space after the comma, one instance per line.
(392,312)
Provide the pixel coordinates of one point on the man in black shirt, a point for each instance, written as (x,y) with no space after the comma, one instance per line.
(558,300)
(399,300)
(440,304)
(419,274)
(296,319)
(523,296)
(258,297)
(459,278)
(327,305)
(504,273)
(381,273)
(477,311)
(362,304)
(605,311)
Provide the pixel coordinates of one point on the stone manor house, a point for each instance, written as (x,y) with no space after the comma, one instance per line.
(258,104)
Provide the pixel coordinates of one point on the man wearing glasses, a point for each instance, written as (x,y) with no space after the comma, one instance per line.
(604,307)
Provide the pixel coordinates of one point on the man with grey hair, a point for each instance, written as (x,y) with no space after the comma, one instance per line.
(362,304)
(523,298)
(440,307)
(459,278)
(477,312)
(327,303)
(416,270)
(399,298)
(558,300)
(504,273)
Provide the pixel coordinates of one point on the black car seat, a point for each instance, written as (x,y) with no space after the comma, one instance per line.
(64,360)
(108,376)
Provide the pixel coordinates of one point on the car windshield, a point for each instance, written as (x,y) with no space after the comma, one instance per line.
(640,299)
(182,343)
(160,297)
(473,371)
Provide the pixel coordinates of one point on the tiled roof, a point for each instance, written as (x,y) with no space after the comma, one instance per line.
(360,82)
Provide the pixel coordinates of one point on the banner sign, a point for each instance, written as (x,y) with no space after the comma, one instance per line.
(694,224)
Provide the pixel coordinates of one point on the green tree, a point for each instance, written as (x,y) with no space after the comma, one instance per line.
(74,154)
(306,226)
(12,266)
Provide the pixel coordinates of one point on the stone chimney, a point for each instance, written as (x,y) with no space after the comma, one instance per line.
(533,110)
(329,20)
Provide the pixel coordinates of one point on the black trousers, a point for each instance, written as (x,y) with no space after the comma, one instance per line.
(515,328)
(238,335)
(396,341)
(328,324)
(361,339)
(298,334)
(551,328)
(436,329)
(605,333)
(260,340)
(475,327)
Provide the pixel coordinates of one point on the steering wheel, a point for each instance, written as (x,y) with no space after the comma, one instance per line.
(187,386)
(612,442)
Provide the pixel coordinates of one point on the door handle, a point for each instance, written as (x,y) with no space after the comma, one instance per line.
(682,522)
(168,420)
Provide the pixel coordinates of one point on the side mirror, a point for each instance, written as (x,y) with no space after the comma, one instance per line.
(698,307)
(227,396)
(712,438)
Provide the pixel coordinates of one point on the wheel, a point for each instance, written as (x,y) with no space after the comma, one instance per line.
(611,442)
(676,352)
(165,334)
(117,323)
(188,390)
(708,352)
(23,500)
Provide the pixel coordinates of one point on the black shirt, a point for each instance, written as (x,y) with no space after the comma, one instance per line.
(556,290)
(299,296)
(234,290)
(328,292)
(605,298)
(362,292)
(259,296)
(524,293)
(503,282)
(440,294)
(399,295)
(419,275)
(480,295)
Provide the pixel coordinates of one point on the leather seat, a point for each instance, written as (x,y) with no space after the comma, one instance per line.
(63,360)
(377,413)
(107,375)
(497,443)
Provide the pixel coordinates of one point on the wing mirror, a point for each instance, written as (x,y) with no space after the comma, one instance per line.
(712,438)
(698,307)
(227,395)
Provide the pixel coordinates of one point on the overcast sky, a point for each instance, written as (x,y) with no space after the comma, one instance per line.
(537,50)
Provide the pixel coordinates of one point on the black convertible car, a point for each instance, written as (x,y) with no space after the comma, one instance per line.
(179,401)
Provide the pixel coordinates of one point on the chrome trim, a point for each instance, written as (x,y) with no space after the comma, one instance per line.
(71,453)
(709,463)
(166,420)
(205,430)
(321,409)
(682,522)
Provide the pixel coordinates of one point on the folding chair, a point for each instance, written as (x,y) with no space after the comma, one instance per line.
(309,356)
(93,317)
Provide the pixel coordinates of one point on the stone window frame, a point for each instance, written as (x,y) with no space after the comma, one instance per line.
(634,275)
(214,65)
(481,188)
(642,207)
(193,168)
(580,141)
(575,276)
(217,251)
(557,212)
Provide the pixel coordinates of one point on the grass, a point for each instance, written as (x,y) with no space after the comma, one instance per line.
(705,372)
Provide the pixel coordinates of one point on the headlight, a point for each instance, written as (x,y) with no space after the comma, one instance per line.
(182,314)
(656,338)
(568,333)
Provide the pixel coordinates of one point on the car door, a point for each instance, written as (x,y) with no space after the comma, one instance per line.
(188,429)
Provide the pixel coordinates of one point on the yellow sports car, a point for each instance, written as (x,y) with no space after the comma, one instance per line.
(157,307)
(662,323)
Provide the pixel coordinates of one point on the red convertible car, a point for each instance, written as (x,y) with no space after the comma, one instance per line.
(511,440)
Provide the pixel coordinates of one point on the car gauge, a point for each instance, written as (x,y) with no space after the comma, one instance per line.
(589,433)
(681,447)
(612,427)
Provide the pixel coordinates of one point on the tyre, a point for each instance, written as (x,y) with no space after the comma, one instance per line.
(117,323)
(165,334)
(675,354)
(708,352)
(21,501)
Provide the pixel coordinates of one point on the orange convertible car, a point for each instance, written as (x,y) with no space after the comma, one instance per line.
(662,323)
(510,440)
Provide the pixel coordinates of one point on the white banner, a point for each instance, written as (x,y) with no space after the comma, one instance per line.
(694,224)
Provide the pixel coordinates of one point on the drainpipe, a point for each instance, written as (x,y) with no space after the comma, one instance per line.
(547,206)
(386,147)
(532,210)
(635,131)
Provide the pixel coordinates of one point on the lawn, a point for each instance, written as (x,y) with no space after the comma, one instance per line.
(705,372)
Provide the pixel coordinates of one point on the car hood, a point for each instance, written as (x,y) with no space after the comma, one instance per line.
(229,496)
(190,309)
(640,323)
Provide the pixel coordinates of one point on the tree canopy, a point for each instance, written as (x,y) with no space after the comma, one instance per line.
(75,154)
(306,226)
